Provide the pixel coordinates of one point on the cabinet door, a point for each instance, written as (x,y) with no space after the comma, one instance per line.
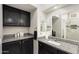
(42,49)
(15,17)
(10,16)
(25,19)
(11,48)
(46,49)
(27,46)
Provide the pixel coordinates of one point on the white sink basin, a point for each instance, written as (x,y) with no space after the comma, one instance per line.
(54,42)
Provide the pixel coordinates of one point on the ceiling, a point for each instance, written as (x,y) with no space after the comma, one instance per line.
(47,8)
(55,7)
(25,7)
(44,7)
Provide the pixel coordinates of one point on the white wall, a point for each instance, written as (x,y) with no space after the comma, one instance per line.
(41,18)
(33,21)
(1,28)
(14,30)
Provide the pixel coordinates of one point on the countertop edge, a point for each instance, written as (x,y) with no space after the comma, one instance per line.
(15,39)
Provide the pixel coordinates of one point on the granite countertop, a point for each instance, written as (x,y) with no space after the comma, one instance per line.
(75,42)
(65,46)
(17,38)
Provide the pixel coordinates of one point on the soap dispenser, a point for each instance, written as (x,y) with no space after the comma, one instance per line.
(35,34)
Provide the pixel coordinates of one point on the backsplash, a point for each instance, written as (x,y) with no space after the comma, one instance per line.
(13,30)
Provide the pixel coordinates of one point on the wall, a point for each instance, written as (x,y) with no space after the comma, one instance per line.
(40,17)
(1,28)
(41,20)
(33,21)
(13,30)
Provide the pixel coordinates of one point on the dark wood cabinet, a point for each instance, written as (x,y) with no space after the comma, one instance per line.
(27,46)
(24,46)
(47,49)
(10,16)
(24,19)
(15,17)
(11,47)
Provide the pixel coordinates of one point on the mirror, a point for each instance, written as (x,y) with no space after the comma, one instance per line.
(56,26)
(72,26)
(64,23)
